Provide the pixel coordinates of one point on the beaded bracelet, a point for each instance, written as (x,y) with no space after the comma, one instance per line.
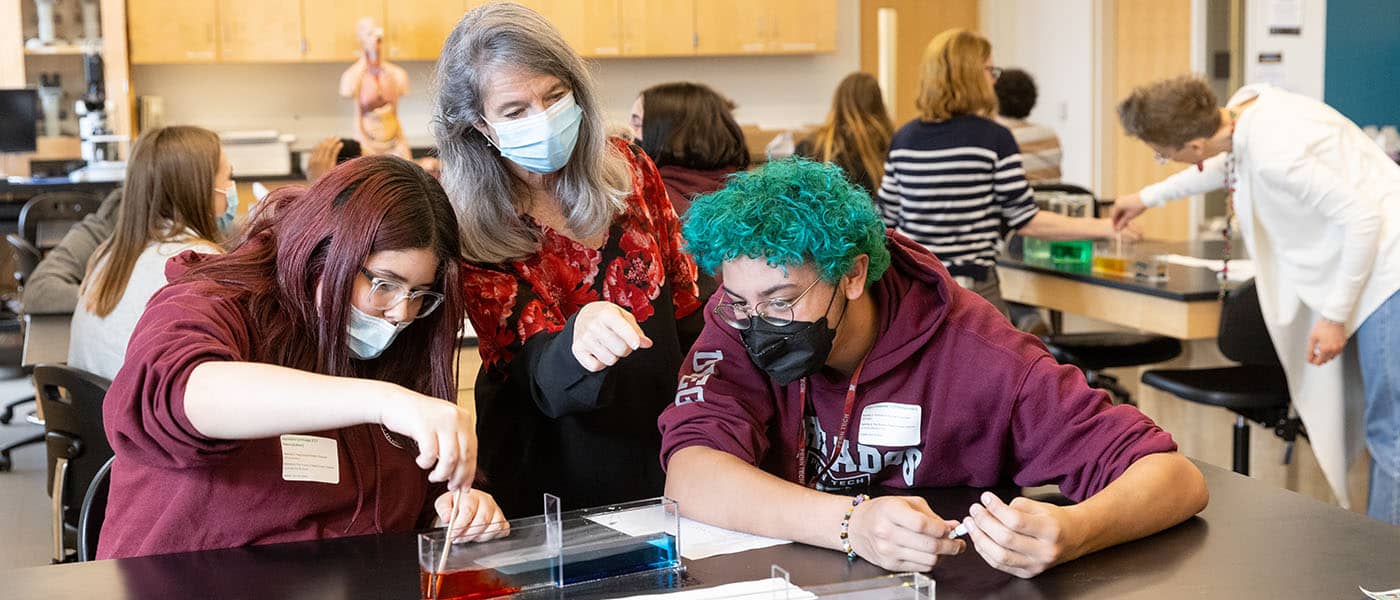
(846,526)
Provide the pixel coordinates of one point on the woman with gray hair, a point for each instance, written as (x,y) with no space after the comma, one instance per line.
(1318,206)
(580,293)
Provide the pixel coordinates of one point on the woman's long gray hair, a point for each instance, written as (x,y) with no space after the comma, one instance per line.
(488,198)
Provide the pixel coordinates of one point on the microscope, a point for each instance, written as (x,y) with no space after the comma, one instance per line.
(99,145)
(50,98)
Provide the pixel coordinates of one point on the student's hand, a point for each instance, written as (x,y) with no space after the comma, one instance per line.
(1023,538)
(1125,209)
(322,158)
(1326,341)
(1131,232)
(901,533)
(478,520)
(445,433)
(604,333)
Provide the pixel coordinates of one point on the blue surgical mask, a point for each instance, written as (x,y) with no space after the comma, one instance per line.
(225,221)
(541,143)
(370,336)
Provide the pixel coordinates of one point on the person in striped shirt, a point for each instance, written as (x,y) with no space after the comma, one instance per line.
(954,180)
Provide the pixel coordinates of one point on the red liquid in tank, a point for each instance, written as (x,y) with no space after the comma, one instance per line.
(464,585)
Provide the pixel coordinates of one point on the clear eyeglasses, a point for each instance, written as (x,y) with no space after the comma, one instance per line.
(385,294)
(776,312)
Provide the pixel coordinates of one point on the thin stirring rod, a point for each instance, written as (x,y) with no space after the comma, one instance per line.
(447,543)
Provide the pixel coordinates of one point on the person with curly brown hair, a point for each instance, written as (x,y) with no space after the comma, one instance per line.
(1318,206)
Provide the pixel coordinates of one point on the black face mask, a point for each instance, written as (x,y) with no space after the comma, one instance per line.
(792,351)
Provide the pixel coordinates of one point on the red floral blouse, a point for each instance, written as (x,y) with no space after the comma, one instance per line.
(511,302)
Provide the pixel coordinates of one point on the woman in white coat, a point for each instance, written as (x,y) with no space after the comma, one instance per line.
(1318,206)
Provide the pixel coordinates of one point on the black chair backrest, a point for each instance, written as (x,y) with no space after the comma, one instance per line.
(1070,188)
(72,403)
(46,217)
(27,257)
(93,512)
(1243,336)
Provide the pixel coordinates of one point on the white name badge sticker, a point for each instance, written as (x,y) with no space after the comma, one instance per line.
(310,458)
(891,424)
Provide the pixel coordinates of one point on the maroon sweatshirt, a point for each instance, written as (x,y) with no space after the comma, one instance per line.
(684,184)
(951,395)
(175,490)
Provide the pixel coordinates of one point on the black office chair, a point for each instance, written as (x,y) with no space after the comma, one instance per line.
(43,221)
(77,446)
(1255,390)
(1094,352)
(26,260)
(46,217)
(93,512)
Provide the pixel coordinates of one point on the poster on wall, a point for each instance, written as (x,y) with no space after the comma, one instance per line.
(1285,17)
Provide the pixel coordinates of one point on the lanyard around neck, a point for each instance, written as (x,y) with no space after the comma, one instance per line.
(840,433)
(1231,175)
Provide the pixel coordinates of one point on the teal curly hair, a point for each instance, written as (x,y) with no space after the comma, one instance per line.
(788,211)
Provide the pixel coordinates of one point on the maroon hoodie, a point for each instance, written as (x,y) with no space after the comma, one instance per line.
(683,184)
(176,490)
(951,395)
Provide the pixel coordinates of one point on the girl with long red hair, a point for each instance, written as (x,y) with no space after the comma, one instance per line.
(298,387)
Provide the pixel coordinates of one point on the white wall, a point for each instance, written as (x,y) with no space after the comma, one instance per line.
(772,91)
(1302,54)
(1053,40)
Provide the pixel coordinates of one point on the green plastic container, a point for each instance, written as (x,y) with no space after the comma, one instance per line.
(1062,255)
(1035,250)
(1078,253)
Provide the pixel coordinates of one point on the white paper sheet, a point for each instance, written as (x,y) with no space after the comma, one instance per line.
(1241,269)
(759,589)
(697,540)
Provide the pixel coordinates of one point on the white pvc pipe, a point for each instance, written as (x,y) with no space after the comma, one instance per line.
(887,43)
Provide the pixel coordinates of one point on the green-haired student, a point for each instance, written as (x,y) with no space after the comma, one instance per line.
(840,360)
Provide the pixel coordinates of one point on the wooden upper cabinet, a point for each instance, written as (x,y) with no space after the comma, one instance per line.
(245,31)
(732,26)
(329,27)
(567,17)
(161,31)
(415,30)
(765,26)
(658,27)
(803,26)
(600,27)
(259,31)
(589,26)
